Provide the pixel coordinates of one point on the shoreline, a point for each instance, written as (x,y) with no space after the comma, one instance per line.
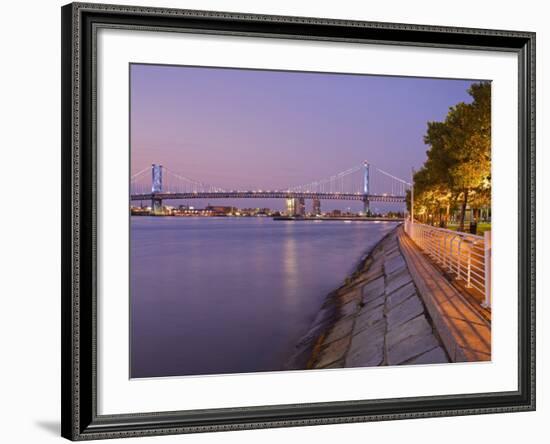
(308,346)
(339,218)
(279,218)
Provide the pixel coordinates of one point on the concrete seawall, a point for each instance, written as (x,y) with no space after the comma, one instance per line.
(376,318)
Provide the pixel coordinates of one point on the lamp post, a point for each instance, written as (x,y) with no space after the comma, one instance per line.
(412,195)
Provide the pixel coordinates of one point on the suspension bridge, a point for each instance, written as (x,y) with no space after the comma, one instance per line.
(364,182)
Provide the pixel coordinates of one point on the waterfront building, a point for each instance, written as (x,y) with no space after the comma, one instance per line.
(219,210)
(296,206)
(290,207)
(301,207)
(316,207)
(140,211)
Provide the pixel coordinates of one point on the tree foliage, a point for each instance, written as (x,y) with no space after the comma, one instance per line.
(457,171)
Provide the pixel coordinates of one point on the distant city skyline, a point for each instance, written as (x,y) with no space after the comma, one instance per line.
(241,129)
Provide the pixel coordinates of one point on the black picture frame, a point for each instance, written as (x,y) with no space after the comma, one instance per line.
(79,208)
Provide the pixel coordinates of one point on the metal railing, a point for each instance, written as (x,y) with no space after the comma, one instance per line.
(466,257)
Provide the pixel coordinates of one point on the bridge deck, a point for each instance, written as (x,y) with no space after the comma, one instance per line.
(389,198)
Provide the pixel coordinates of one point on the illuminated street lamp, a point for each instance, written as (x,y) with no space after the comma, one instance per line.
(412,195)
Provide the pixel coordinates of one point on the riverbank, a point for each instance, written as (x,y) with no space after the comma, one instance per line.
(339,218)
(377,317)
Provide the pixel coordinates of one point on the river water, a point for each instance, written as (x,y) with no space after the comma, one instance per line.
(233,295)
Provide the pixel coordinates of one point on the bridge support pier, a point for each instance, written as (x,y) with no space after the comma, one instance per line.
(316,210)
(156,205)
(366,206)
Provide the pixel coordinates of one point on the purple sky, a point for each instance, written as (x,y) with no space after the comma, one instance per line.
(249,129)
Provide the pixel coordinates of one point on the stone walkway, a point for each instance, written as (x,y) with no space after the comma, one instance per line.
(376,318)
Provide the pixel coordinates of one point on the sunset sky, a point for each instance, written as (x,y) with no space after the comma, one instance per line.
(245,129)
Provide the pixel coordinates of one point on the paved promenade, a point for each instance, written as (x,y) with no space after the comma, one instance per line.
(385,315)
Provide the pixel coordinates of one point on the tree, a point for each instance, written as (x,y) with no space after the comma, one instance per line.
(458,165)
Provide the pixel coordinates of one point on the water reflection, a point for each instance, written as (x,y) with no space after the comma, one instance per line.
(291,267)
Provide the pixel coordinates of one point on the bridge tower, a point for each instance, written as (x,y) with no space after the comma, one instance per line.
(156,187)
(366,204)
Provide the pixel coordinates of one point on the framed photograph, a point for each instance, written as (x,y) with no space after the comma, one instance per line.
(280,221)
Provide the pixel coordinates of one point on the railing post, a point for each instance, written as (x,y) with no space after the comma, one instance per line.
(487,264)
(451,254)
(459,259)
(469,271)
(445,257)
